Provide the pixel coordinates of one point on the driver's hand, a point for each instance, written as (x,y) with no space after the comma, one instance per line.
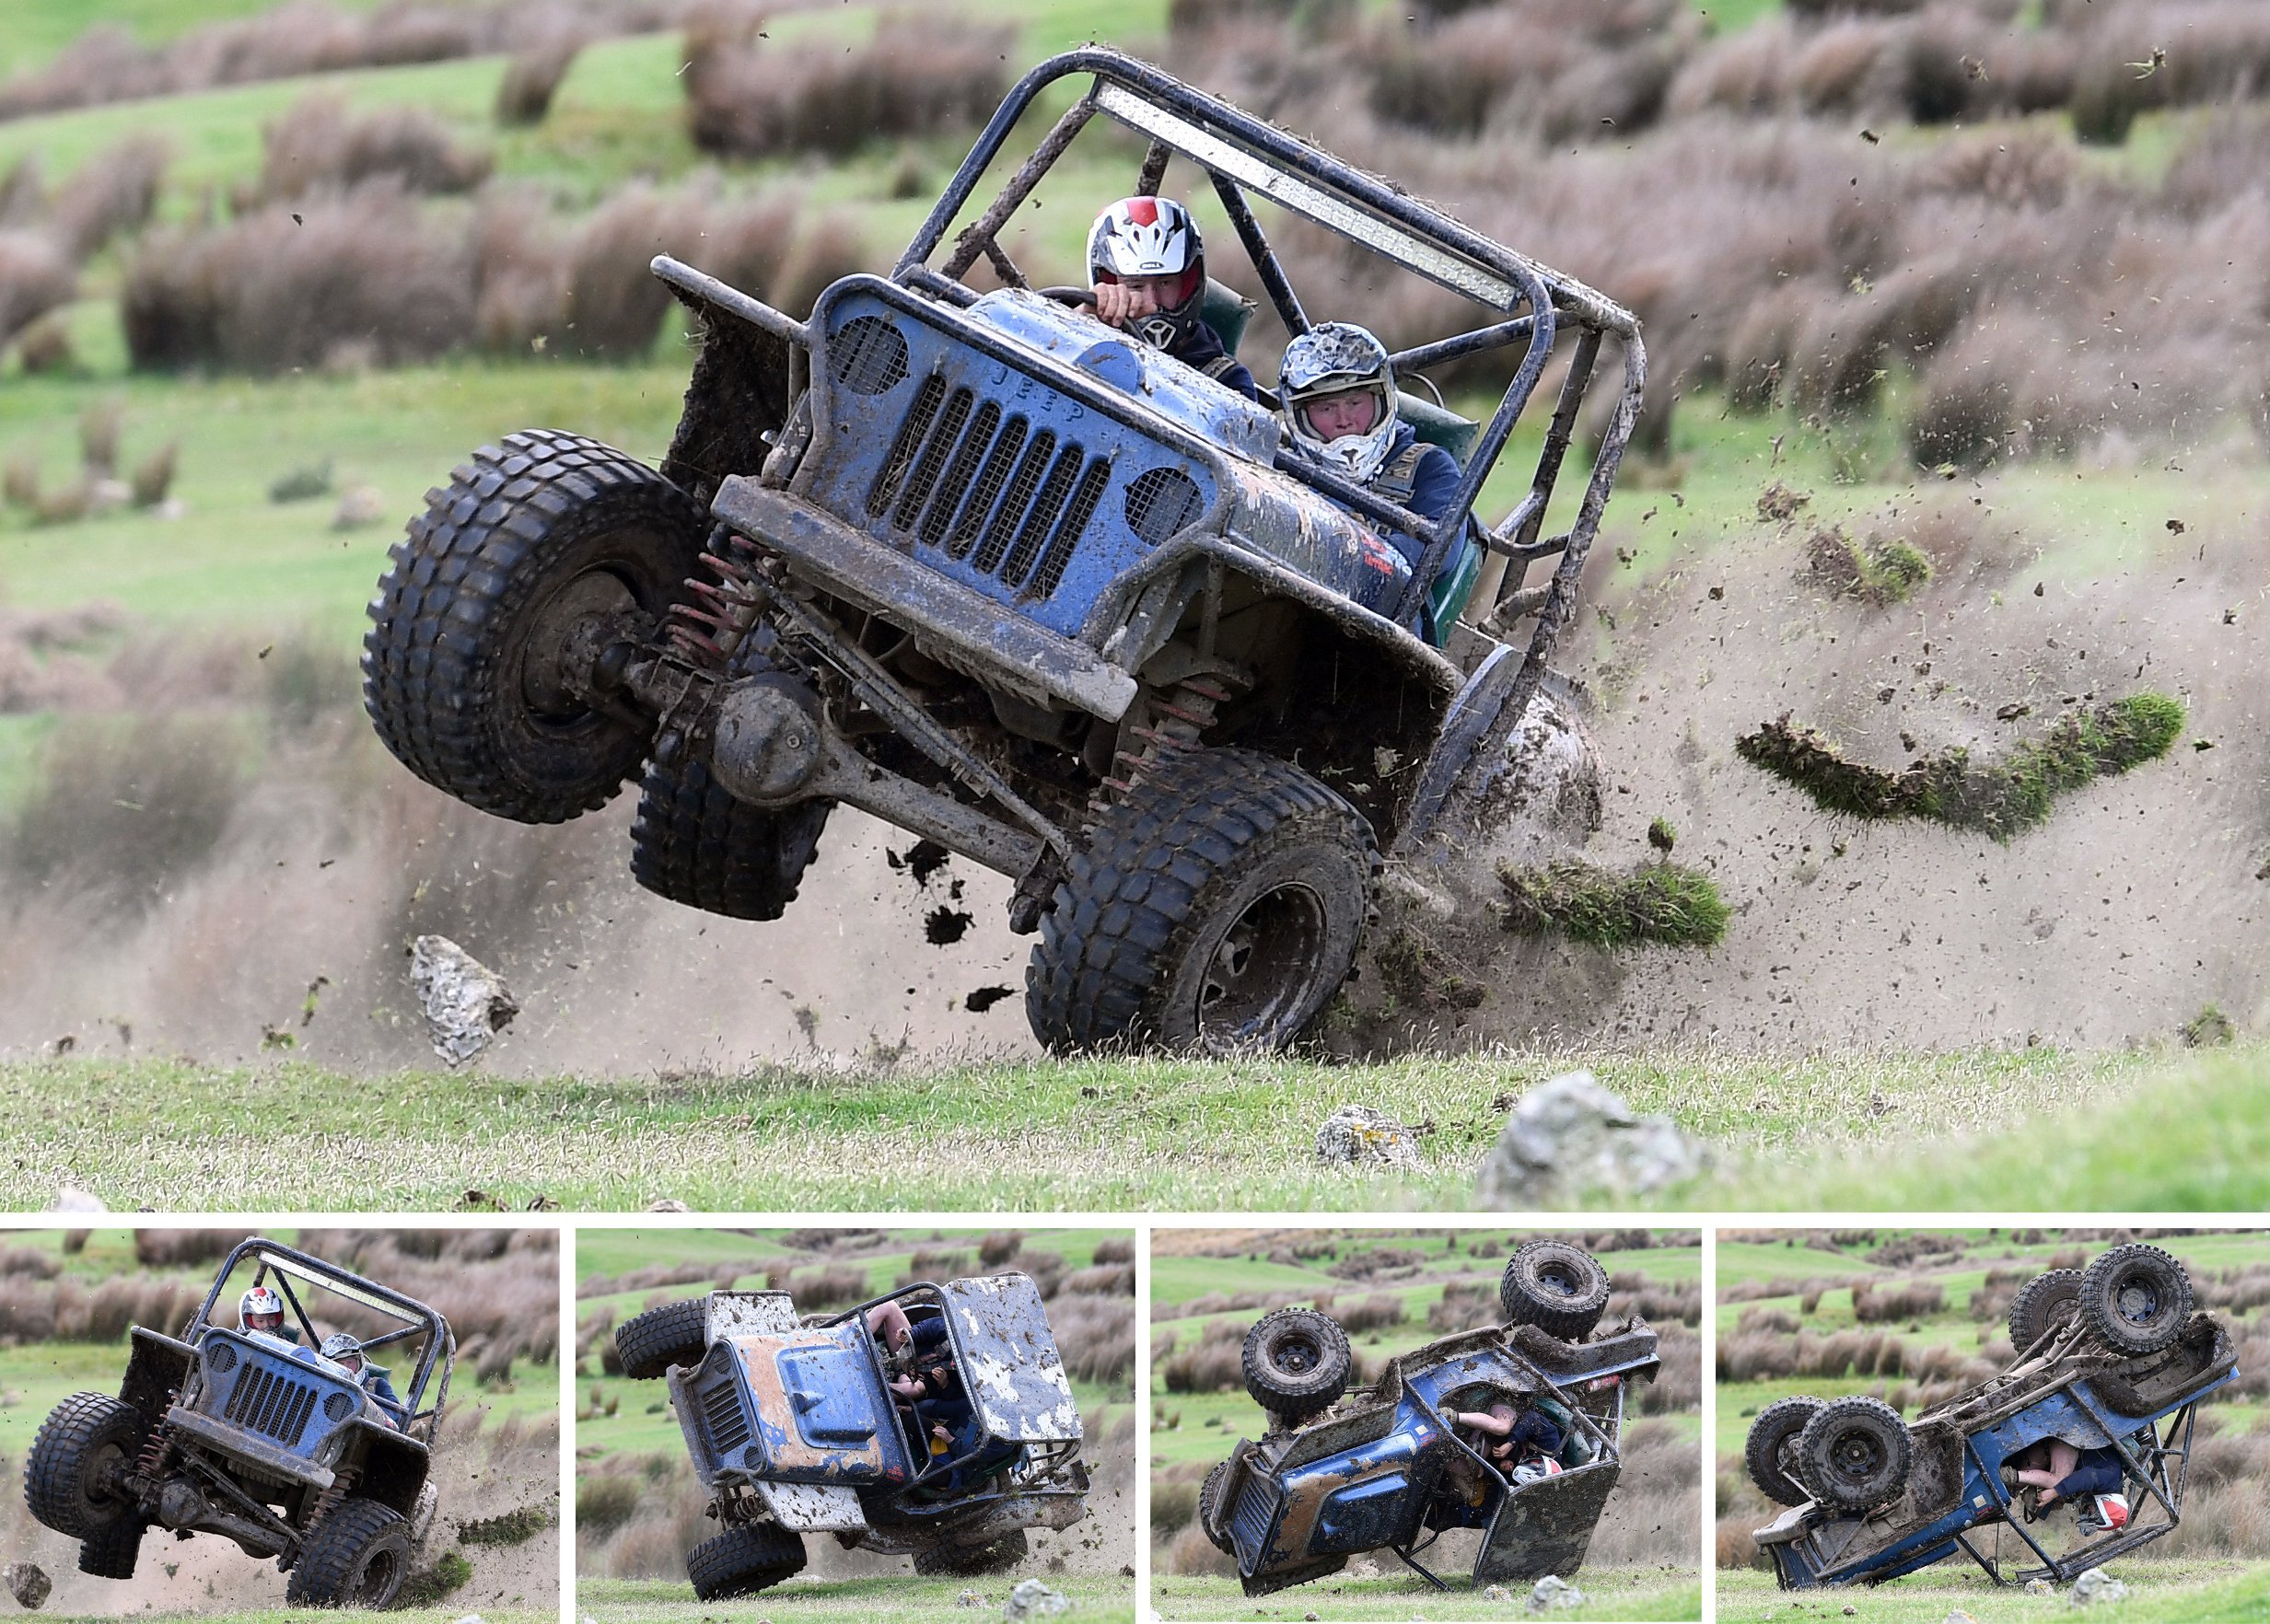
(1117,304)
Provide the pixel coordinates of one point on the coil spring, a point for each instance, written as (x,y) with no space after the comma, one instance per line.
(707,627)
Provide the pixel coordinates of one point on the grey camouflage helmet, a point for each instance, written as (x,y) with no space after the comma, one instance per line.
(1332,358)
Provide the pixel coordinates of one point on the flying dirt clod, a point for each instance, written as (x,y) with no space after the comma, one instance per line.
(466,1003)
(29,1584)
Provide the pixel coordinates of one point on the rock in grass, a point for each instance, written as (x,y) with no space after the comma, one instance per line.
(29,1584)
(466,1003)
(2000,797)
(1032,1600)
(1570,1138)
(1357,1136)
(2098,1588)
(1660,903)
(1553,1594)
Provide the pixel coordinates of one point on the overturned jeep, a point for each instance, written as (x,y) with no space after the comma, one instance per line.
(1390,1467)
(2111,1358)
(934,1422)
(253,1436)
(991,572)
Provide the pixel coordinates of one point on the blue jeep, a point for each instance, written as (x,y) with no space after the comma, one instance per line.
(1389,1468)
(970,562)
(2108,1358)
(255,1436)
(794,1427)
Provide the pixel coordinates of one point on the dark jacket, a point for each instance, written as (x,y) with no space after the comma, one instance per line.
(1202,348)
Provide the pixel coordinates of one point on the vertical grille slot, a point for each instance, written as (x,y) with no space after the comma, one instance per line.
(264,1401)
(1084,501)
(911,433)
(960,472)
(724,1420)
(990,481)
(1047,509)
(1024,484)
(933,458)
(1257,1507)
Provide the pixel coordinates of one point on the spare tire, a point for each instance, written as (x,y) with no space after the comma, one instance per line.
(676,1333)
(1854,1455)
(1560,1289)
(1770,1450)
(2136,1299)
(2043,1304)
(1297,1361)
(1210,1509)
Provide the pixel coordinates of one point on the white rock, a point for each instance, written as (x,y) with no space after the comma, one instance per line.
(1959,1617)
(670,1204)
(2097,1588)
(1357,1136)
(1570,1138)
(466,1003)
(27,1583)
(1497,1593)
(68,1199)
(1032,1600)
(1555,1594)
(358,505)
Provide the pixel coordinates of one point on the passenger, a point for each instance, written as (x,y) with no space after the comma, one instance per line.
(2062,1472)
(346,1352)
(1519,1436)
(1336,391)
(1148,270)
(927,1384)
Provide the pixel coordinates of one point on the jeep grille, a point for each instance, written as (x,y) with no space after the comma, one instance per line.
(968,476)
(268,1402)
(1256,1509)
(869,355)
(724,1419)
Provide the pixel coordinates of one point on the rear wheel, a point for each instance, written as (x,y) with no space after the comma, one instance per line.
(971,1562)
(1854,1454)
(676,1333)
(1216,906)
(1770,1450)
(1210,1508)
(2042,1304)
(2135,1298)
(743,1560)
(1560,1289)
(541,552)
(695,844)
(72,1478)
(357,1557)
(1297,1361)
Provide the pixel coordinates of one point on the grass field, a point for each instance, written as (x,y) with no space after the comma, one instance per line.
(1794,1133)
(880,1601)
(2159,1593)
(1610,1592)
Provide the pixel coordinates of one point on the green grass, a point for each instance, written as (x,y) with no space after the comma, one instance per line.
(2170,1592)
(1658,903)
(2149,1131)
(1610,1592)
(886,1600)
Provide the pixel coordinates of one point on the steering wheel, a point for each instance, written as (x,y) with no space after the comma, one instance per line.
(1068,295)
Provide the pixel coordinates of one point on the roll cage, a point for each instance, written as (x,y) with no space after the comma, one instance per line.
(435,1354)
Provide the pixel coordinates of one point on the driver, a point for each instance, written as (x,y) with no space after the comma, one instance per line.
(346,1352)
(1336,391)
(1148,267)
(260,1312)
(1531,1431)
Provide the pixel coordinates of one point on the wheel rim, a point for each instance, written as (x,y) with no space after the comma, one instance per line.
(555,635)
(379,1573)
(1264,968)
(1857,1454)
(1296,1355)
(99,1476)
(1560,1281)
(2137,1300)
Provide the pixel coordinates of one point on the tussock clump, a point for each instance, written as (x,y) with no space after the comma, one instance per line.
(533,77)
(318,145)
(615,304)
(111,194)
(1096,1336)
(1882,573)
(922,73)
(824,1287)
(1909,1300)
(35,277)
(1662,903)
(1999,798)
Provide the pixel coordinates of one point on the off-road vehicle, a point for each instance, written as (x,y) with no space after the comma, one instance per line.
(255,1437)
(1387,1468)
(975,564)
(2110,1356)
(794,1428)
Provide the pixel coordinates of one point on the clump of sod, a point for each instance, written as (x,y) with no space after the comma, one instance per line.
(1885,573)
(2210,1028)
(2002,796)
(1662,902)
(1418,973)
(423,1590)
(511,1528)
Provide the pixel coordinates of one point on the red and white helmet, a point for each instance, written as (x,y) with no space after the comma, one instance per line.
(1152,237)
(2113,1512)
(259,1309)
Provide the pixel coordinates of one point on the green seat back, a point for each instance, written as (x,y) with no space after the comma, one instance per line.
(1439,425)
(1227,311)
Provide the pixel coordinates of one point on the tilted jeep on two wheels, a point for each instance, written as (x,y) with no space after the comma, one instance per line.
(996,574)
(794,1428)
(259,1440)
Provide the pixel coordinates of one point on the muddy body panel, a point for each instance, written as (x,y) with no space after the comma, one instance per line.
(798,1407)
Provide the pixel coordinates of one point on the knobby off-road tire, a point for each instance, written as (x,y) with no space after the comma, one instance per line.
(357,1557)
(973,1561)
(1210,1509)
(112,1552)
(1854,1455)
(1770,1450)
(2044,1303)
(1217,906)
(2135,1298)
(463,671)
(1560,1289)
(695,844)
(676,1333)
(70,1475)
(744,1560)
(1297,1362)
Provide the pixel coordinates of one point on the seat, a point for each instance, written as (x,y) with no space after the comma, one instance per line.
(1227,311)
(1439,425)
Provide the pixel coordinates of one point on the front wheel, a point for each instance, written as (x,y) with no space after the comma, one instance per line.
(2044,1304)
(113,1552)
(1210,1509)
(973,1561)
(357,1557)
(743,1560)
(694,844)
(542,551)
(2135,1298)
(72,1475)
(1770,1450)
(1560,1289)
(1854,1455)
(1217,906)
